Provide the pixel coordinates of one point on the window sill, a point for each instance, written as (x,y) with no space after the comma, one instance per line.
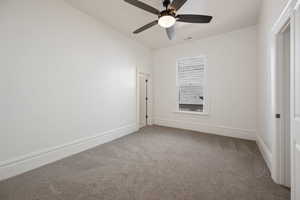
(192,113)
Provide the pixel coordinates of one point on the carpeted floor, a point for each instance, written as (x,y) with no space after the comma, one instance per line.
(154,164)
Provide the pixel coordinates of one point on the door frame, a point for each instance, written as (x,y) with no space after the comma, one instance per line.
(149,106)
(286,17)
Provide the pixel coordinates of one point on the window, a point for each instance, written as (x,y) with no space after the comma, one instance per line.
(191,75)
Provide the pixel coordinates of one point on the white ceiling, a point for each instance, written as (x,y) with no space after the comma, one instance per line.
(228,15)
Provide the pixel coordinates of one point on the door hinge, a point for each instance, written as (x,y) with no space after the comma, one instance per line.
(146,116)
(278,116)
(146,98)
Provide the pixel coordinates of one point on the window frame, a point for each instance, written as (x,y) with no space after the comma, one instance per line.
(205,86)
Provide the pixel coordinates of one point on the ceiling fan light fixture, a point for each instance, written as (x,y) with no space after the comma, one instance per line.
(166,21)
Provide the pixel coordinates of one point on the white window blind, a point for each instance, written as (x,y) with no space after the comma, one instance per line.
(191,80)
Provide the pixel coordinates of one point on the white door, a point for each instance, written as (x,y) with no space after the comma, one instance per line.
(143,105)
(285,95)
(295,111)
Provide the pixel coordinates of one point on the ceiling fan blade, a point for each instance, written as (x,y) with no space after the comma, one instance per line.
(194,18)
(147,26)
(143,6)
(177,4)
(171,32)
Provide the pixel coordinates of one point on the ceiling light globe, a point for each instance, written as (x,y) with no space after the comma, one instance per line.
(166,21)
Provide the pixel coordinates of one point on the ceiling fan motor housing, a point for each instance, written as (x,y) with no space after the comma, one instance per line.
(170,12)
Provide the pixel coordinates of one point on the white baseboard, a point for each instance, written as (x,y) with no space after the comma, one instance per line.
(34,160)
(265,151)
(205,128)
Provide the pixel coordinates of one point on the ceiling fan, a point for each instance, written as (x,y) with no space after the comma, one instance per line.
(168,17)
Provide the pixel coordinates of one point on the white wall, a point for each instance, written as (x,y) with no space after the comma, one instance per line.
(270,11)
(232,62)
(63,77)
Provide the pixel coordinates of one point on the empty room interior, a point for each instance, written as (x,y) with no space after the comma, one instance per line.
(150,100)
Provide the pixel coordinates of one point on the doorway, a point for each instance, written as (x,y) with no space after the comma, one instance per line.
(144,100)
(283,106)
(288,21)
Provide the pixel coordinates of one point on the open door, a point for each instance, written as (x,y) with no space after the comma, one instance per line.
(143,100)
(295,109)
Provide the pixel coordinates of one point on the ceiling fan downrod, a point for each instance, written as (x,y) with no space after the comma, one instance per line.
(166,3)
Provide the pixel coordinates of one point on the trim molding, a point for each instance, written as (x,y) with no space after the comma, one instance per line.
(34,160)
(206,128)
(265,151)
(285,15)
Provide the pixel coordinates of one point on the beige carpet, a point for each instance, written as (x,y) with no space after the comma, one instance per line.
(154,164)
